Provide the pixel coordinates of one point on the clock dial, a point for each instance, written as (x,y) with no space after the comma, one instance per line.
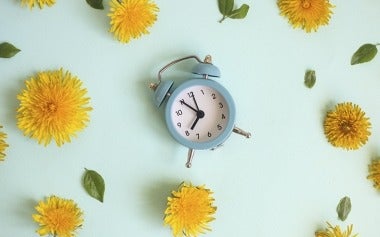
(199,113)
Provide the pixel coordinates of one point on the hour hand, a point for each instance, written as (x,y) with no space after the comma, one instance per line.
(195,123)
(200,114)
(184,103)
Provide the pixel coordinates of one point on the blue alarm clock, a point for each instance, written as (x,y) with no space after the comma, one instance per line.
(199,113)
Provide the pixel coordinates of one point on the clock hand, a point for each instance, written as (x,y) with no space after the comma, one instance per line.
(196,105)
(200,114)
(195,123)
(184,103)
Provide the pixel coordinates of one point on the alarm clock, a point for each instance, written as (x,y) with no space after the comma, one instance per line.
(199,113)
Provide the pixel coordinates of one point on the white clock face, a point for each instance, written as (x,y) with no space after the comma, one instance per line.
(199,113)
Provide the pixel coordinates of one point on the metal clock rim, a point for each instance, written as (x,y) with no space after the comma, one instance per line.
(231,115)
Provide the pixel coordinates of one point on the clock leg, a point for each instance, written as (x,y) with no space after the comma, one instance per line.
(241,132)
(190,156)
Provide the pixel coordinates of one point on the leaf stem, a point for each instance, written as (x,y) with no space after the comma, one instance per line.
(221,20)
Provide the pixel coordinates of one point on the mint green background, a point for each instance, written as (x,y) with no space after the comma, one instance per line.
(285,181)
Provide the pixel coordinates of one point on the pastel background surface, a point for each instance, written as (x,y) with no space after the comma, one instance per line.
(285,181)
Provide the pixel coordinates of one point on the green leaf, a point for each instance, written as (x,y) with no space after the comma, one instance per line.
(365,53)
(7,50)
(239,13)
(94,184)
(310,78)
(225,6)
(97,4)
(343,208)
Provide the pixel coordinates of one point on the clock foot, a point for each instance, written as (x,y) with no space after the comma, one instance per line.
(190,156)
(241,132)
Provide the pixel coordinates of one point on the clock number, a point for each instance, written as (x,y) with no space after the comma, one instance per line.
(209,134)
(197,135)
(187,133)
(179,124)
(178,112)
(220,105)
(223,117)
(213,96)
(182,101)
(190,94)
(219,127)
(202,92)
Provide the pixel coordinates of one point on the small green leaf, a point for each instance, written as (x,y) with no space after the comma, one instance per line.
(7,50)
(310,78)
(365,53)
(343,208)
(97,4)
(225,6)
(94,184)
(239,13)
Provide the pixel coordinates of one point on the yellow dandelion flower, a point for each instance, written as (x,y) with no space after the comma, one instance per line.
(374,173)
(190,210)
(335,232)
(58,217)
(53,106)
(306,14)
(131,18)
(346,126)
(40,3)
(3,144)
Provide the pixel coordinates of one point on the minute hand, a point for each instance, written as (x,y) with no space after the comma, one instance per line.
(184,103)
(195,102)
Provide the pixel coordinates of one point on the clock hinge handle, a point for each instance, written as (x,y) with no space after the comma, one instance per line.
(207,60)
(154,86)
(175,62)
